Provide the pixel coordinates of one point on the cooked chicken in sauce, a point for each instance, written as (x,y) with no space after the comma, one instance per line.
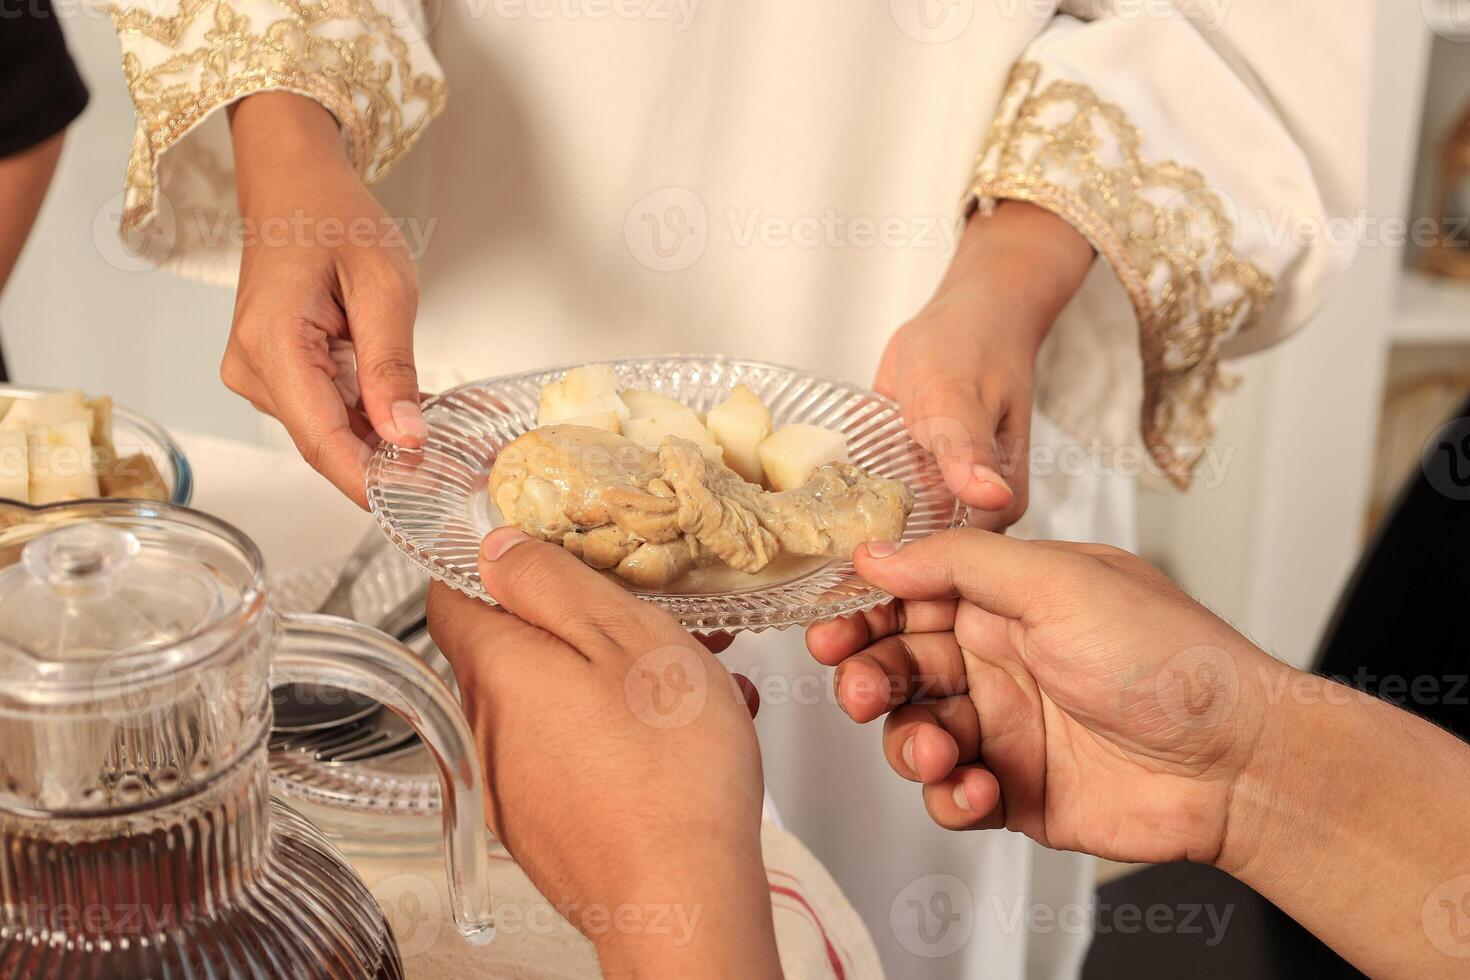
(651,517)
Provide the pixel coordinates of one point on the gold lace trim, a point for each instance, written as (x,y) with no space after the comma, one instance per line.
(1167,234)
(367,80)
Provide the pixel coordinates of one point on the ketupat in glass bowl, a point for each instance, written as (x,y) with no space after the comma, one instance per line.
(432,502)
(132,433)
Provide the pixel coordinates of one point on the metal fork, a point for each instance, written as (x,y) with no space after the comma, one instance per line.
(312,707)
(382,733)
(339,601)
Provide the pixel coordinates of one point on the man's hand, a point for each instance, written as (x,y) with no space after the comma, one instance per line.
(1072,693)
(962,368)
(621,762)
(1069,692)
(323,330)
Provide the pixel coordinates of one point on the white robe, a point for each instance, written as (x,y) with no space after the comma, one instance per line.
(785,181)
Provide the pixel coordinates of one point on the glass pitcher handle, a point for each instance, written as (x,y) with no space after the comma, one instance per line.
(341,653)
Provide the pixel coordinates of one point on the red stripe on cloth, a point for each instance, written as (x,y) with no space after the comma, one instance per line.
(832,958)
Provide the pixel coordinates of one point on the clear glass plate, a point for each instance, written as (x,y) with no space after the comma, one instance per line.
(432,502)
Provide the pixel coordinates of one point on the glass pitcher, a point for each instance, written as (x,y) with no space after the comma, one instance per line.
(138,837)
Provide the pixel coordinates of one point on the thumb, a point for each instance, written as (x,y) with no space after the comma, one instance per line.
(960,430)
(1000,574)
(549,587)
(382,339)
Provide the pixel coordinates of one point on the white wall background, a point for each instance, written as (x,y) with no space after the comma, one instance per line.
(1272,547)
(75,315)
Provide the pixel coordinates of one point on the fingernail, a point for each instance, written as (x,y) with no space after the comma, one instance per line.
(409,419)
(987,475)
(908,755)
(882,549)
(960,799)
(501,540)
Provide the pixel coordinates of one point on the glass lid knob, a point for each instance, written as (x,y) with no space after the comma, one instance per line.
(84,560)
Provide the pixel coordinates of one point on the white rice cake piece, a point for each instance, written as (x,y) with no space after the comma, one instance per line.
(740,424)
(50,409)
(61,462)
(650,432)
(643,403)
(15,469)
(793,452)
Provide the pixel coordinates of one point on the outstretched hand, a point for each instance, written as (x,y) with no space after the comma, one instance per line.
(322,337)
(962,369)
(1069,692)
(622,766)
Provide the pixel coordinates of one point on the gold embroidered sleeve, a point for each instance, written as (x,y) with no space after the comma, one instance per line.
(366,61)
(1168,236)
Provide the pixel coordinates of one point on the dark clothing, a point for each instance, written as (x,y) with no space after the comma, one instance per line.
(40,90)
(1399,633)
(1400,630)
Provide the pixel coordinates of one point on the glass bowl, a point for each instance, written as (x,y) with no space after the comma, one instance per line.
(132,433)
(432,502)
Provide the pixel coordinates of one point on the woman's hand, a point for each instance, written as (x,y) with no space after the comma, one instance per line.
(1069,692)
(962,368)
(621,761)
(323,330)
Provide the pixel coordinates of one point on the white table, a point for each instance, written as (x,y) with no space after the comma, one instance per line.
(291,512)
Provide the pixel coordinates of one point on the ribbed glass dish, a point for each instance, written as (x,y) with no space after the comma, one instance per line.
(432,502)
(132,433)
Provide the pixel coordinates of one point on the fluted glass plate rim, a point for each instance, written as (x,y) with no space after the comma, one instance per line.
(400,510)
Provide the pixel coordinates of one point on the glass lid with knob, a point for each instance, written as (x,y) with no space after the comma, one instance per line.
(86,592)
